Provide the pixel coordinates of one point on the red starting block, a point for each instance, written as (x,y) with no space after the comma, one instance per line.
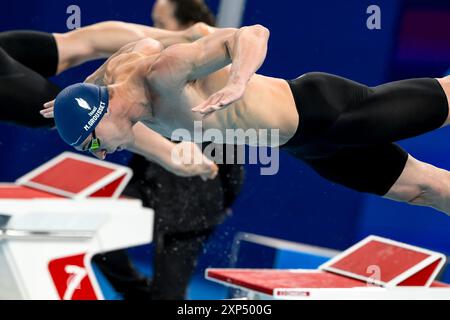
(56,218)
(375,268)
(73,176)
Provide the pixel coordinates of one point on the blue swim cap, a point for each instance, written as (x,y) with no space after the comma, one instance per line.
(78,110)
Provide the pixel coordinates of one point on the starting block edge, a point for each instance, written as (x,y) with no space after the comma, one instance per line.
(118,172)
(433,257)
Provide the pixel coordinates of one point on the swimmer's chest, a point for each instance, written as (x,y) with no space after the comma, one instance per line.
(174,111)
(193,93)
(172,108)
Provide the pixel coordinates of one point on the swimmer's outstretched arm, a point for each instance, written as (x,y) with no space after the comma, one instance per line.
(147,46)
(184,159)
(103,39)
(244,48)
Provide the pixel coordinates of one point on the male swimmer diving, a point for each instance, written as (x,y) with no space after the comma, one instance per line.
(344,130)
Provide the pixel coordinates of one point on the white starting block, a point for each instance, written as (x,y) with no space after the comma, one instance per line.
(56,218)
(373,269)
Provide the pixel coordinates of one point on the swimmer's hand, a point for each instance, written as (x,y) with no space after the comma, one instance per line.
(231,93)
(190,161)
(48,111)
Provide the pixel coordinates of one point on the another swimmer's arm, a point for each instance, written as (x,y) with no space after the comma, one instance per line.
(156,148)
(103,39)
(168,38)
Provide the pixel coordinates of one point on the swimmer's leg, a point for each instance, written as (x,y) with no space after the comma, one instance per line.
(387,171)
(23,93)
(26,59)
(422,184)
(445,83)
(368,169)
(389,112)
(35,50)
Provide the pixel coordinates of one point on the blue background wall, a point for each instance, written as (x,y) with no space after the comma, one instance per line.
(320,35)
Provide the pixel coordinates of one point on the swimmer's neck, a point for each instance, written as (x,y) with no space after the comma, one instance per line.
(127,104)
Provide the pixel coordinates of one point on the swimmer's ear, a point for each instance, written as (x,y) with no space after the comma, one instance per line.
(48,111)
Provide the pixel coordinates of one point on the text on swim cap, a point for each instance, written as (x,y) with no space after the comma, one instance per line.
(95,117)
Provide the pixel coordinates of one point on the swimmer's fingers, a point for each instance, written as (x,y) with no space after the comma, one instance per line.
(213,104)
(190,161)
(49,104)
(207,169)
(211,172)
(48,111)
(214,171)
(211,101)
(220,100)
(210,110)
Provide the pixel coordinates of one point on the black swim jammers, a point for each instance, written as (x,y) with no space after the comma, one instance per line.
(347,130)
